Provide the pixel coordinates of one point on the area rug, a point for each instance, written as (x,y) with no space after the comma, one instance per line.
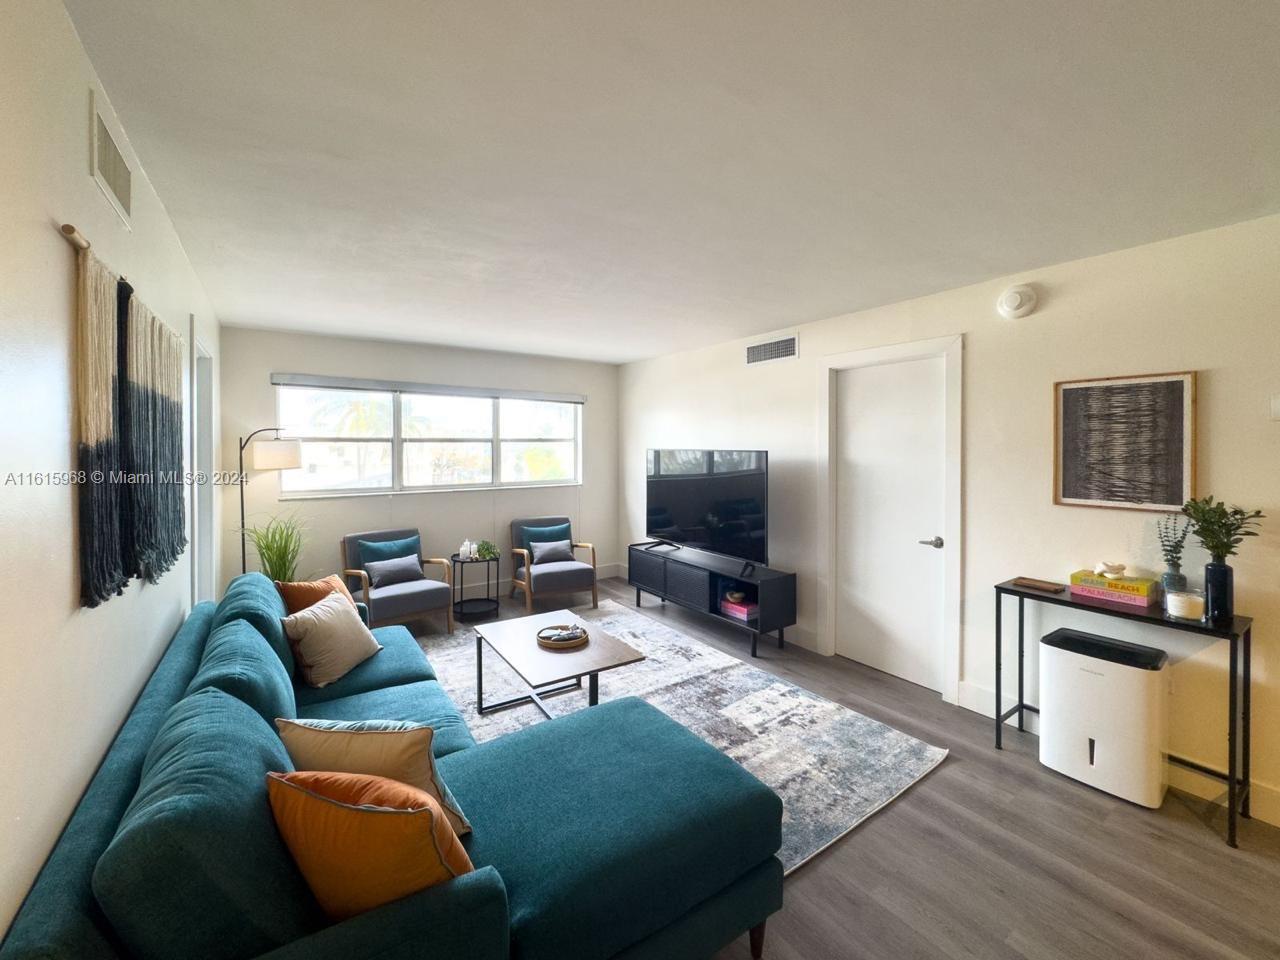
(832,766)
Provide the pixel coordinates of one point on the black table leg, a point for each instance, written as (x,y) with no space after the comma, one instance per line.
(637,596)
(479,674)
(1246,732)
(593,689)
(999,696)
(780,641)
(755,638)
(1233,743)
(1022,698)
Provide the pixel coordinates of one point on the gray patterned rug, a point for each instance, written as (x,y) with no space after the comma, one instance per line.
(832,767)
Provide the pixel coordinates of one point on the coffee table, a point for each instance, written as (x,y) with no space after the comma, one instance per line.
(548,672)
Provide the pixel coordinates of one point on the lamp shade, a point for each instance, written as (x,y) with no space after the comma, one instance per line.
(276,455)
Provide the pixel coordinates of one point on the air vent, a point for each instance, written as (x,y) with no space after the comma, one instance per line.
(107,164)
(783,349)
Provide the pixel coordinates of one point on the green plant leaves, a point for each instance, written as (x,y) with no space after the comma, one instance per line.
(1219,528)
(278,543)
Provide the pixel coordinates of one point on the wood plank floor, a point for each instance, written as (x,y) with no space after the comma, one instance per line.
(994,856)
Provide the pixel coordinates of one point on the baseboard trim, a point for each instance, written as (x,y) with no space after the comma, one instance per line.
(1266,796)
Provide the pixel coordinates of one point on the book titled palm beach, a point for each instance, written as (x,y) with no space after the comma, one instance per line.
(1131,591)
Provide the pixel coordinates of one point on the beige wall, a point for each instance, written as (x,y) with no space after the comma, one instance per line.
(445,518)
(1208,302)
(68,676)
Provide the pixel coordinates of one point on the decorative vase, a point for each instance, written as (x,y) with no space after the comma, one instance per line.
(1219,604)
(1173,578)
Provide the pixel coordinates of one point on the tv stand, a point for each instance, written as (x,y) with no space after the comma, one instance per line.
(661,543)
(699,579)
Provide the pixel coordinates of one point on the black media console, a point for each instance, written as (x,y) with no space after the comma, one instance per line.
(698,579)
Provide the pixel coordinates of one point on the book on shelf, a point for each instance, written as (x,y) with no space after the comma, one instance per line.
(1144,587)
(1112,596)
(739,611)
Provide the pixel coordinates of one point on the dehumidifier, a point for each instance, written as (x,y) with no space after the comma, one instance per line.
(1103,713)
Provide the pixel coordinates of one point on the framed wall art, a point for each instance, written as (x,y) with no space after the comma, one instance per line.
(1125,442)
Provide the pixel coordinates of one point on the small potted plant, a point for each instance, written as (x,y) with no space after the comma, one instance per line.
(1172,532)
(278,543)
(1220,529)
(486,550)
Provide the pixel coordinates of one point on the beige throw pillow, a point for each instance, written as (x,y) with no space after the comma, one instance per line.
(395,749)
(329,640)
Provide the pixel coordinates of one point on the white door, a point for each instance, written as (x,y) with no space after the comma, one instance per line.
(890,440)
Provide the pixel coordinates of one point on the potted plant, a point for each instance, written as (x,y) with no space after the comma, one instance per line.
(1172,532)
(278,543)
(486,550)
(1220,529)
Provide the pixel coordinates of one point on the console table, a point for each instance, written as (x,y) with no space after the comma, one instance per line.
(1239,633)
(697,579)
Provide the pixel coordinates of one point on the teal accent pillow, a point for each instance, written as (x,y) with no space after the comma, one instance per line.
(371,551)
(544,534)
(239,662)
(197,868)
(253,598)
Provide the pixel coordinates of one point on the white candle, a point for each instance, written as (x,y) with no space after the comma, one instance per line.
(1184,605)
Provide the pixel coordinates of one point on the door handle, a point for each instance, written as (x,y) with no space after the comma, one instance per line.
(936,543)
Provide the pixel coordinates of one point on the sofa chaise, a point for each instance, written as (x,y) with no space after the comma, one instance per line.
(610,833)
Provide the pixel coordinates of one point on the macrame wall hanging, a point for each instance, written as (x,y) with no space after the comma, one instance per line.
(129,369)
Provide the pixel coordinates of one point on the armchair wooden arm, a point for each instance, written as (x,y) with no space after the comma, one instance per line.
(439,561)
(587,546)
(520,560)
(364,582)
(521,557)
(595,587)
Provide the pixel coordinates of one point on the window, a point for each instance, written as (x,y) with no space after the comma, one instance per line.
(357,439)
(448,441)
(539,441)
(346,438)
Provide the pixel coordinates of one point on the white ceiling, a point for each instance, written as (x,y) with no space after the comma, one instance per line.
(613,179)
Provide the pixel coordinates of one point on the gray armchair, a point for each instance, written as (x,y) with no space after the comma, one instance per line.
(543,579)
(398,602)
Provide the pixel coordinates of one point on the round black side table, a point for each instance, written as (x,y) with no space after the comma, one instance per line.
(473,608)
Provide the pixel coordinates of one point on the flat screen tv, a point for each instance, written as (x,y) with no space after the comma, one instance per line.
(711,499)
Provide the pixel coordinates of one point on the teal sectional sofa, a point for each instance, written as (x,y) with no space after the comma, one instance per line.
(610,833)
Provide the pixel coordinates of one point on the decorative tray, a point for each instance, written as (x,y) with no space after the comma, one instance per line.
(562,636)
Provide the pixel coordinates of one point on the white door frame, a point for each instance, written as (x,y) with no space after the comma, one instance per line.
(951,350)
(198,432)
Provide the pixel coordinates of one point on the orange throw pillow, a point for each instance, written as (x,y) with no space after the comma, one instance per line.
(303,593)
(362,841)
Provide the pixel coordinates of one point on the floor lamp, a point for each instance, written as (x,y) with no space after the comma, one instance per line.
(275,454)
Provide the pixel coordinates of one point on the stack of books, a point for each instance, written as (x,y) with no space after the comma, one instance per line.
(743,610)
(1133,591)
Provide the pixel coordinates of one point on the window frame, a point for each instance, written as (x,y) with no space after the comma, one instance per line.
(398,391)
